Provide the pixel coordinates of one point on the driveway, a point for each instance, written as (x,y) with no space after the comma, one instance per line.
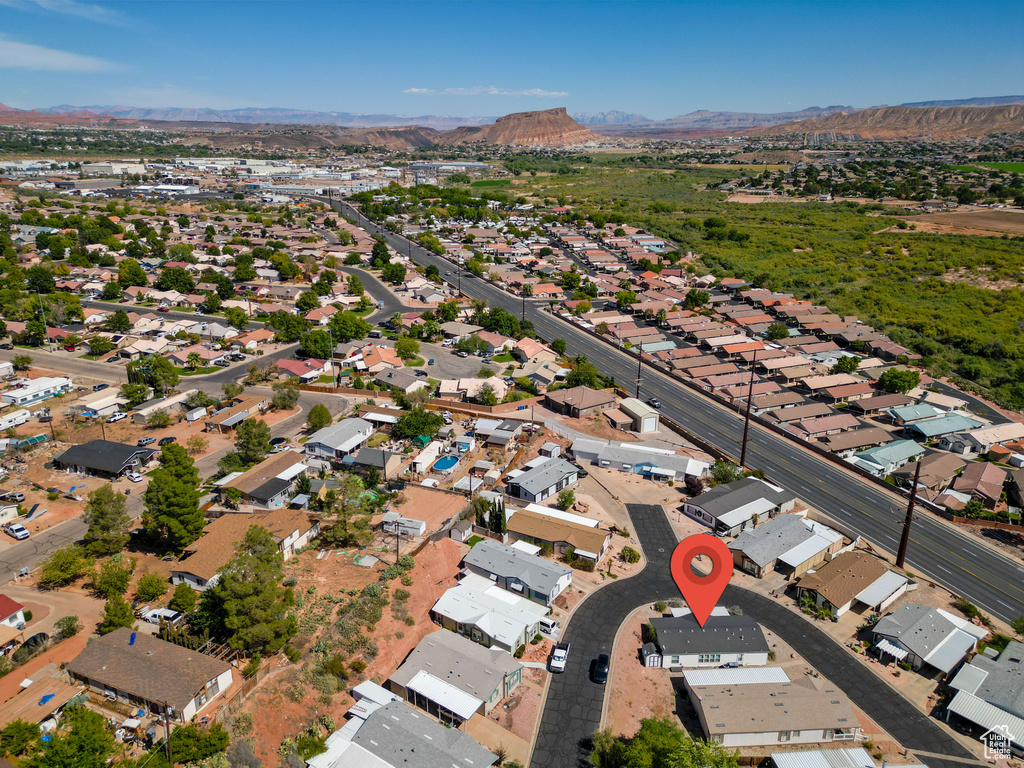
(574,705)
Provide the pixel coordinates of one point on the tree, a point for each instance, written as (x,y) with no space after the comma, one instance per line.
(39,279)
(845,364)
(355,285)
(236,318)
(135,394)
(393,273)
(117,613)
(172,499)
(566,499)
(194,360)
(119,322)
(130,273)
(660,743)
(161,374)
(307,301)
(150,587)
(17,736)
(184,598)
(379,256)
(190,743)
(211,303)
(252,441)
(695,299)
(318,417)
(247,606)
(113,576)
(584,374)
(84,741)
(486,394)
(289,327)
(899,380)
(285,395)
(418,421)
(175,279)
(159,419)
(1018,625)
(725,472)
(111,292)
(558,346)
(65,626)
(625,299)
(346,326)
(63,566)
(196,444)
(232,389)
(22,362)
(106,515)
(316,344)
(100,345)
(407,348)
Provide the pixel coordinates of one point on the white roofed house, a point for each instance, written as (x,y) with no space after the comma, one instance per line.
(981,441)
(518,571)
(338,440)
(789,544)
(488,614)
(926,637)
(990,694)
(729,508)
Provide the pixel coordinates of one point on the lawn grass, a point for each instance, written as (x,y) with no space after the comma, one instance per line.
(492,183)
(1007,167)
(472,541)
(325,379)
(414,362)
(200,371)
(503,358)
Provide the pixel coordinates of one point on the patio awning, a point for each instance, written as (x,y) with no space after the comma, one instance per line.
(884,646)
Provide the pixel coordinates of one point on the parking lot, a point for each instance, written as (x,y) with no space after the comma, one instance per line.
(448,365)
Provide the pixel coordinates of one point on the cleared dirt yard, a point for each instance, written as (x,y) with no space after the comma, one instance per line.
(1002,221)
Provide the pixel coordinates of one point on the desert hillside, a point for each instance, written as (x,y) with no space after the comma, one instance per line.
(550,128)
(904,122)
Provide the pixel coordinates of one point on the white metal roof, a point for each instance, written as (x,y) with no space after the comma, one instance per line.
(292,471)
(856,757)
(445,694)
(988,716)
(882,588)
(969,678)
(742,514)
(737,676)
(560,515)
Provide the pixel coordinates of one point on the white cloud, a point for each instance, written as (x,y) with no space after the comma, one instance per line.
(486,90)
(69,8)
(15,55)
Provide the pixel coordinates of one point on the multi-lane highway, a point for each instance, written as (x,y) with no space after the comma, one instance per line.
(937,550)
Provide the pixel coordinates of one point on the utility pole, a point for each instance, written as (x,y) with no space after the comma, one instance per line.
(901,557)
(746,420)
(46,331)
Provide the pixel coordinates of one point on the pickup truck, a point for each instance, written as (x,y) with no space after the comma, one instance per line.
(558,657)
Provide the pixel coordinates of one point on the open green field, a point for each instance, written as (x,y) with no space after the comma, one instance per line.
(492,183)
(955,299)
(1007,167)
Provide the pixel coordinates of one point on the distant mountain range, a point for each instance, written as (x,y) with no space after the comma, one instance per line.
(909,122)
(608,118)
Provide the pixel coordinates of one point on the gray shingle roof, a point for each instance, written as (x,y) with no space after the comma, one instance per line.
(772,540)
(1003,686)
(340,433)
(104,456)
(402,736)
(729,496)
(681,635)
(535,572)
(920,629)
(544,475)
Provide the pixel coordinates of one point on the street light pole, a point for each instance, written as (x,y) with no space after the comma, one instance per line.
(746,420)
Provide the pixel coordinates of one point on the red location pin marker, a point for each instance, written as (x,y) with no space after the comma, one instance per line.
(701,592)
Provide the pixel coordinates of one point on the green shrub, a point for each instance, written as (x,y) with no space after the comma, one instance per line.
(28,615)
(184,598)
(67,626)
(242,724)
(358,666)
(660,606)
(630,555)
(150,587)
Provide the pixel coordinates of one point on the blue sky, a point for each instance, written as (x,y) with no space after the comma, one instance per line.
(480,58)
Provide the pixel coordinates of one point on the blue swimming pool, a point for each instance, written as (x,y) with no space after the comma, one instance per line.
(446,463)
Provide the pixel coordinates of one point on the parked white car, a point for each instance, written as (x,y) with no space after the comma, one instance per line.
(135,477)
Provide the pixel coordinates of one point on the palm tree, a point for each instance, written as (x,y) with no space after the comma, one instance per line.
(194,360)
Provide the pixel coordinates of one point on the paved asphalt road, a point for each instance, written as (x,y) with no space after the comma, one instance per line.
(574,703)
(956,560)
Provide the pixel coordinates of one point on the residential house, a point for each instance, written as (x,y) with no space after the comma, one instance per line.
(990,694)
(518,571)
(886,459)
(231,416)
(528,350)
(560,531)
(338,440)
(645,418)
(579,401)
(982,481)
(729,508)
(205,558)
(495,343)
(931,429)
(138,670)
(981,441)
(376,359)
(395,735)
(789,544)
(805,711)
(269,483)
(488,615)
(206,355)
(639,459)
(454,678)
(36,390)
(385,462)
(926,637)
(104,458)
(401,379)
(680,641)
(937,471)
(305,371)
(545,479)
(853,578)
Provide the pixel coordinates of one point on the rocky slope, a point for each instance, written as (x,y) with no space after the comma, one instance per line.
(547,128)
(907,122)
